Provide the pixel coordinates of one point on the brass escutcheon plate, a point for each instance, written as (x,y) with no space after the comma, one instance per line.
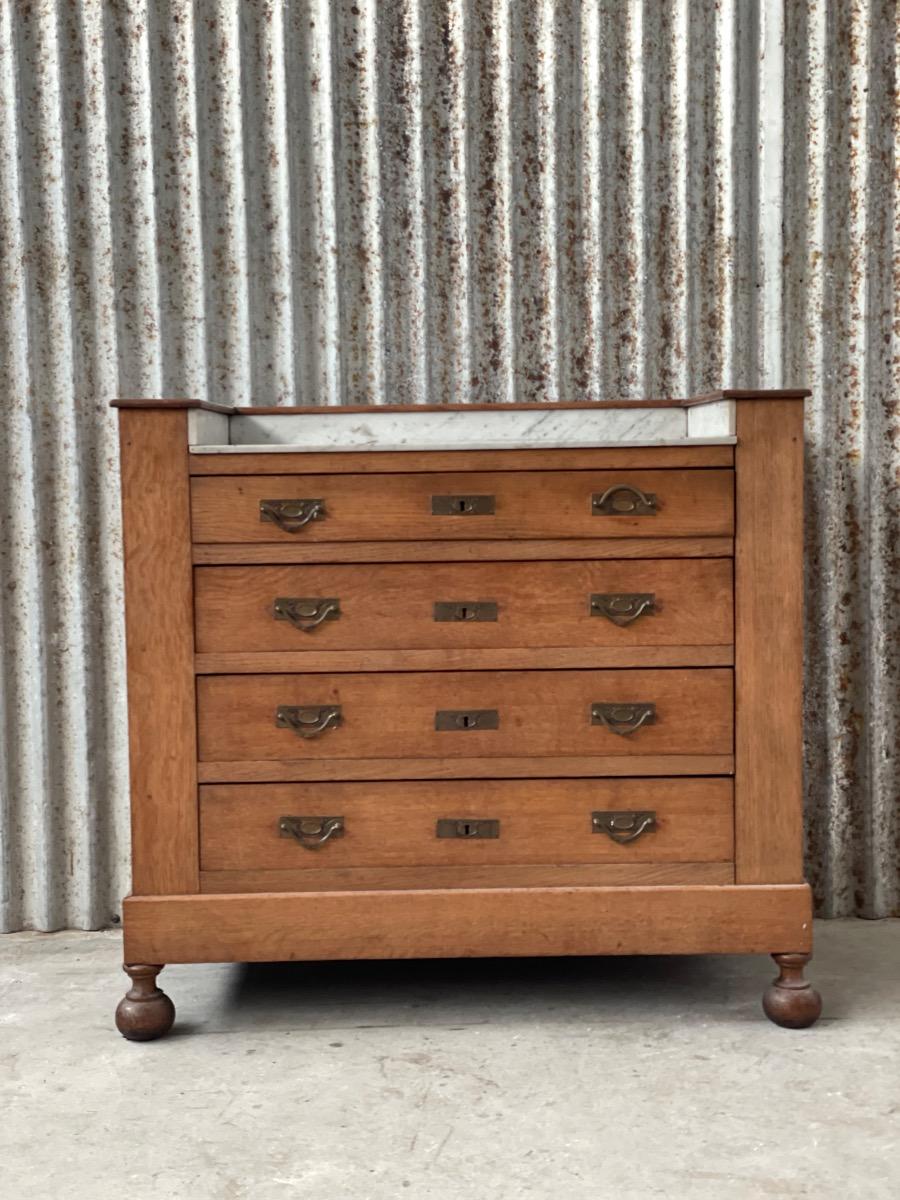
(462,506)
(463,719)
(466,827)
(465,610)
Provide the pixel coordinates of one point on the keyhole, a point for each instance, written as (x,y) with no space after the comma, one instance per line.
(462,505)
(466,614)
(467,721)
(467,829)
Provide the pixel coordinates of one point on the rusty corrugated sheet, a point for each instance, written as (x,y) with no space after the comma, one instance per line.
(427,201)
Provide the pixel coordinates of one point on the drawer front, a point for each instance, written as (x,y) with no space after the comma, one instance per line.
(245,827)
(465,714)
(462,507)
(648,602)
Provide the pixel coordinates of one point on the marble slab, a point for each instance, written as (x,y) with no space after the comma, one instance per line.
(478,429)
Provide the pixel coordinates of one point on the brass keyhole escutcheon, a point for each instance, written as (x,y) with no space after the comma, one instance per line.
(467,828)
(465,610)
(449,719)
(462,506)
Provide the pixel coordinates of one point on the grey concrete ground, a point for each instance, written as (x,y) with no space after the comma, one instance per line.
(625,1079)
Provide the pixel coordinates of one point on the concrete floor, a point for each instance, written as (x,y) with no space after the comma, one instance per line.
(625,1079)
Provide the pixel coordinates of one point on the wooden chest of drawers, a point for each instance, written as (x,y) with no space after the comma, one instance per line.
(417,702)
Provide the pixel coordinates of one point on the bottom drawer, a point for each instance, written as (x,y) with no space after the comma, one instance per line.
(285,837)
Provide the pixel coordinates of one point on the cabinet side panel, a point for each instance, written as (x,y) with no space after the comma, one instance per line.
(768,642)
(160,647)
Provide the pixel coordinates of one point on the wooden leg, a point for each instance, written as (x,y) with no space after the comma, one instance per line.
(790,1000)
(145,1012)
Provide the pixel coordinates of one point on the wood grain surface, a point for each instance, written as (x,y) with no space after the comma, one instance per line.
(528,504)
(539,605)
(381,462)
(477,922)
(162,727)
(393,715)
(394,824)
(339,879)
(487,550)
(769,643)
(522,766)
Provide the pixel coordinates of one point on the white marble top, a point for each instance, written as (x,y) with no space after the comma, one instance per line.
(510,429)
(460,429)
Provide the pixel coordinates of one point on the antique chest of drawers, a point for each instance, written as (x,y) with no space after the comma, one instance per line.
(520,680)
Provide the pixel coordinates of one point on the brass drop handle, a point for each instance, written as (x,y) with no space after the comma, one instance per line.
(622,607)
(291,515)
(623,500)
(307,613)
(623,719)
(311,832)
(308,722)
(623,827)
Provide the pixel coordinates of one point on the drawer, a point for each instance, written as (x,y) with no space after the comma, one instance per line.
(313,826)
(480,714)
(463,507)
(646,602)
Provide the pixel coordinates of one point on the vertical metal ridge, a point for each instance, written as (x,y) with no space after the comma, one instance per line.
(665,281)
(133,158)
(490,152)
(359,206)
(403,179)
(625,250)
(770,167)
(881,879)
(177,190)
(444,101)
(534,215)
(56,615)
(581,311)
(220,120)
(270,290)
(312,151)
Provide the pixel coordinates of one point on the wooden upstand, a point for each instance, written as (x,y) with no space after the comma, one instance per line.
(460,682)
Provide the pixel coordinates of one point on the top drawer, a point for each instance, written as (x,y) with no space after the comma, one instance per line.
(463,507)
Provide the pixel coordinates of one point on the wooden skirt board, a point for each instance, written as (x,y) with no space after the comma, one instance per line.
(476,922)
(548,504)
(396,824)
(460,606)
(394,715)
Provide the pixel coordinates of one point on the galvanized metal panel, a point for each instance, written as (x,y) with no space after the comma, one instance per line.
(424,201)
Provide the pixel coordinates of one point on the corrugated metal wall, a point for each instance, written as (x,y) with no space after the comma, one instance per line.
(427,201)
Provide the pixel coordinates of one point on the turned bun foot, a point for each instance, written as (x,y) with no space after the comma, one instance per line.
(144,1012)
(790,1000)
